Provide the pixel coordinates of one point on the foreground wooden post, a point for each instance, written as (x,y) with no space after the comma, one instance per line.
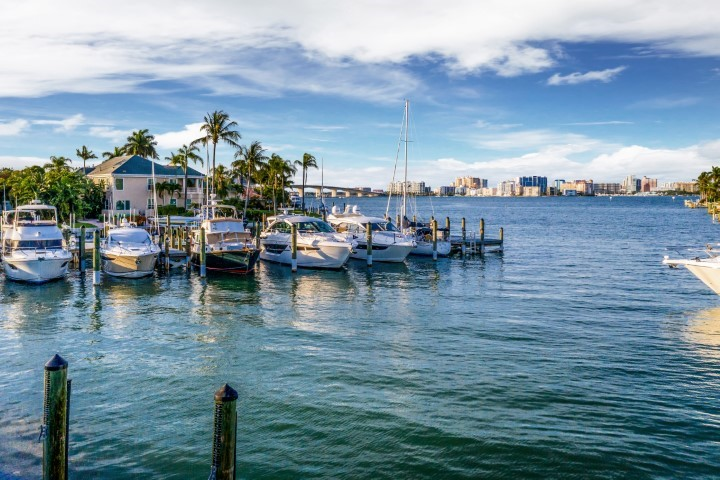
(224,434)
(203,258)
(293,248)
(81,250)
(188,252)
(435,238)
(464,235)
(96,258)
(502,239)
(368,239)
(56,420)
(482,236)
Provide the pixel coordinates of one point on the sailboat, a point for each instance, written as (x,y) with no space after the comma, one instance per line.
(419,232)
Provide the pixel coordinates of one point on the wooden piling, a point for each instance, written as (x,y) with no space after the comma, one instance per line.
(293,248)
(54,429)
(482,236)
(369,239)
(203,257)
(167,251)
(81,250)
(502,239)
(188,246)
(224,434)
(435,238)
(463,248)
(96,258)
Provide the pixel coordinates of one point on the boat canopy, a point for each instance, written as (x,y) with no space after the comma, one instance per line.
(129,235)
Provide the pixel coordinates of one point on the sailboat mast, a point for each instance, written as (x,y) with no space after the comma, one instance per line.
(407,127)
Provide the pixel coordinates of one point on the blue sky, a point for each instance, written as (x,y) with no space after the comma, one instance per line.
(591,89)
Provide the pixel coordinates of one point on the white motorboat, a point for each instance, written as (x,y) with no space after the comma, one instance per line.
(32,245)
(229,246)
(318,245)
(707,268)
(422,235)
(128,251)
(388,243)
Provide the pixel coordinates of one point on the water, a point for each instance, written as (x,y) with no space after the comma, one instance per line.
(576,354)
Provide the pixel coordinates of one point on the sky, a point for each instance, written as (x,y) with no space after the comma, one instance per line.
(497,89)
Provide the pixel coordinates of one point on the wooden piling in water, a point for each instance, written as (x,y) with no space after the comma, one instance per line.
(368,239)
(188,246)
(482,236)
(56,420)
(96,258)
(81,250)
(224,434)
(293,248)
(434,239)
(463,247)
(167,252)
(203,258)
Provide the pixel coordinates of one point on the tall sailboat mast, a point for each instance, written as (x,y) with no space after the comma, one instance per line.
(403,209)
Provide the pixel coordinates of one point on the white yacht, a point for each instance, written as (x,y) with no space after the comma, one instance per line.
(388,243)
(318,245)
(229,246)
(422,235)
(707,268)
(128,251)
(32,247)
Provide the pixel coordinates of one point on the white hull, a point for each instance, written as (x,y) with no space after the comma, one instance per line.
(394,253)
(323,255)
(707,270)
(129,265)
(36,268)
(426,248)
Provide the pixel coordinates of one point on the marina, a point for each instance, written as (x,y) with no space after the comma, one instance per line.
(549,360)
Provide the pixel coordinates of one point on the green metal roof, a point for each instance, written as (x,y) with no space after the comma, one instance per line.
(137,165)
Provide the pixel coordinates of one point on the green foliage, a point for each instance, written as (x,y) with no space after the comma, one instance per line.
(174,210)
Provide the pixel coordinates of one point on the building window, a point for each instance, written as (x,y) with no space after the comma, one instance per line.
(119,184)
(192,182)
(150,184)
(151,203)
(122,205)
(173,202)
(188,202)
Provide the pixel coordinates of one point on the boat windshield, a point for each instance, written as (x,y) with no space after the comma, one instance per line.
(130,236)
(39,215)
(34,244)
(314,226)
(383,227)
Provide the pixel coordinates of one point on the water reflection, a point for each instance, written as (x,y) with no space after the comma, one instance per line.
(703,330)
(33,308)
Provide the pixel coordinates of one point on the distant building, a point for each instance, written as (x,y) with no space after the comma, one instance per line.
(129,184)
(629,185)
(507,188)
(534,181)
(531,191)
(607,188)
(470,182)
(690,187)
(413,188)
(558,183)
(648,184)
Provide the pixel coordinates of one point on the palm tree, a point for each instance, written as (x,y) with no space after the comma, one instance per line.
(276,170)
(181,158)
(703,183)
(223,179)
(289,170)
(85,154)
(141,143)
(218,128)
(58,163)
(308,161)
(254,157)
(117,152)
(161,188)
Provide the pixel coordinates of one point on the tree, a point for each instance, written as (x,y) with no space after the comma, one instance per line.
(254,158)
(218,128)
(141,143)
(161,188)
(308,161)
(703,183)
(223,179)
(117,152)
(85,154)
(58,163)
(181,159)
(278,171)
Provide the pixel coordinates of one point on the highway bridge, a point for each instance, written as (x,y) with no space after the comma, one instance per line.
(329,191)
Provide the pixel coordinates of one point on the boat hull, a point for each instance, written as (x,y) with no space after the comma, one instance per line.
(129,265)
(424,248)
(229,261)
(708,271)
(394,253)
(40,269)
(330,255)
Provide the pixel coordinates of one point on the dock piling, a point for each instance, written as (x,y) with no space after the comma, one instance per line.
(293,248)
(81,250)
(464,236)
(96,258)
(56,420)
(482,236)
(188,251)
(435,239)
(368,235)
(224,434)
(203,257)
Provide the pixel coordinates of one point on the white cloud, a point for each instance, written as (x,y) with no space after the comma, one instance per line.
(109,133)
(18,163)
(594,76)
(66,125)
(174,140)
(353,49)
(11,129)
(666,103)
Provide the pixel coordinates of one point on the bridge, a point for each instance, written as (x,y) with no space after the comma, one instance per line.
(336,191)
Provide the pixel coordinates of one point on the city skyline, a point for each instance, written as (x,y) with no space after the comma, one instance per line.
(596,90)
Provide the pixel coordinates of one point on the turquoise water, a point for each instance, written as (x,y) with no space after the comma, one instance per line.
(575,354)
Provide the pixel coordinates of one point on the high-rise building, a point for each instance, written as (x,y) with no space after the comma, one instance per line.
(534,181)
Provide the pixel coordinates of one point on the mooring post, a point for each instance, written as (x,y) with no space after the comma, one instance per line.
(435,238)
(96,258)
(188,246)
(224,434)
(414,219)
(167,252)
(203,258)
(56,420)
(446,233)
(482,236)
(369,240)
(399,223)
(464,235)
(502,239)
(293,248)
(258,230)
(81,250)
